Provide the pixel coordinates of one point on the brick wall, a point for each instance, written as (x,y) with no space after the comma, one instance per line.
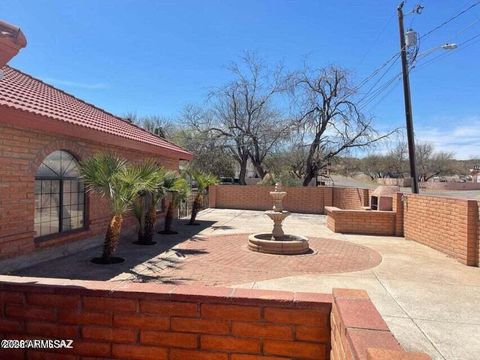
(299,199)
(257,197)
(151,321)
(445,224)
(21,152)
(367,222)
(350,198)
(359,331)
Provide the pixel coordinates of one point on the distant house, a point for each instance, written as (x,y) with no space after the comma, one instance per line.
(44,133)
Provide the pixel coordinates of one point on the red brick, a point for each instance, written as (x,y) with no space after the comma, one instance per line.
(30,312)
(52,330)
(93,349)
(139,352)
(382,354)
(138,321)
(11,297)
(180,354)
(84,318)
(41,355)
(227,343)
(12,354)
(255,357)
(10,326)
(109,334)
(312,333)
(264,330)
(296,316)
(169,308)
(200,326)
(360,314)
(230,312)
(109,304)
(53,300)
(169,339)
(295,349)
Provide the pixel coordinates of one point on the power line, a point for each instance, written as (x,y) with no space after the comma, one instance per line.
(450,19)
(461,47)
(375,42)
(385,86)
(367,94)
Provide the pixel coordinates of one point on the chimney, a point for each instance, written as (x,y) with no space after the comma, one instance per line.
(12,40)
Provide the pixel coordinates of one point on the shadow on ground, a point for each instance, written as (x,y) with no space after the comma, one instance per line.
(143,263)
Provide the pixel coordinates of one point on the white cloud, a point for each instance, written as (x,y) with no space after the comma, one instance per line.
(462,137)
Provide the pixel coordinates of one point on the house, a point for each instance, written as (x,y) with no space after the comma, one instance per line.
(44,133)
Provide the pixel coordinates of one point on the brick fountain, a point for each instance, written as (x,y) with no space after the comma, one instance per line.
(277,242)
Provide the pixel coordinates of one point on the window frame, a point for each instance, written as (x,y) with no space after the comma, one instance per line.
(61,179)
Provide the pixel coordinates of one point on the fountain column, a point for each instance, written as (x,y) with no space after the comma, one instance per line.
(277,242)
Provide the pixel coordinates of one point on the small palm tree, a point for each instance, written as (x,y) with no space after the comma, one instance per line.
(179,190)
(154,197)
(120,183)
(203,181)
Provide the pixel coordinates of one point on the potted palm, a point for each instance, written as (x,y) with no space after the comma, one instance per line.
(178,189)
(203,181)
(119,183)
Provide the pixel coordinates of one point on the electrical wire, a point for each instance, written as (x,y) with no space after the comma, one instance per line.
(450,20)
(372,88)
(461,46)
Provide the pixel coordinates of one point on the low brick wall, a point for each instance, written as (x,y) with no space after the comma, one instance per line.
(301,199)
(445,224)
(152,321)
(367,222)
(359,331)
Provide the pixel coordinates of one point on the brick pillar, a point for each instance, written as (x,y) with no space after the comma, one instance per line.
(398,208)
(327,197)
(472,233)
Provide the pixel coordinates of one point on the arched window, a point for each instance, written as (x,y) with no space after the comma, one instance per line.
(59,195)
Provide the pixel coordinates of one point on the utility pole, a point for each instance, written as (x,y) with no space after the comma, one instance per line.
(408,101)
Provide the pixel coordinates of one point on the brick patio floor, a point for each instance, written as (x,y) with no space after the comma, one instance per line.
(225,260)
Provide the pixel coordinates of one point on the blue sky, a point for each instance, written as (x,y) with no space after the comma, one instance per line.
(154,57)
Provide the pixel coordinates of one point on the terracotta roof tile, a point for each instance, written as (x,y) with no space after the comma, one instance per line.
(21,91)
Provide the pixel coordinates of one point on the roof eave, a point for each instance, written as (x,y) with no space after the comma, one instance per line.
(25,119)
(12,40)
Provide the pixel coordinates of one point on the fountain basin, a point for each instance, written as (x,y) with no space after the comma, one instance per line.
(286,245)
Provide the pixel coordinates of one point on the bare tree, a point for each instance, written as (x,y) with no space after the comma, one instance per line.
(161,126)
(244,115)
(210,154)
(431,163)
(330,122)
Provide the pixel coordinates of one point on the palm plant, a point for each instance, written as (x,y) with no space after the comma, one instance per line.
(203,181)
(120,183)
(154,197)
(179,190)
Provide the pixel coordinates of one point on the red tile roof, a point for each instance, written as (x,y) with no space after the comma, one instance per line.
(23,92)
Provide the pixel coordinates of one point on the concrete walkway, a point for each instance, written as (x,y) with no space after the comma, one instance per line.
(430,301)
